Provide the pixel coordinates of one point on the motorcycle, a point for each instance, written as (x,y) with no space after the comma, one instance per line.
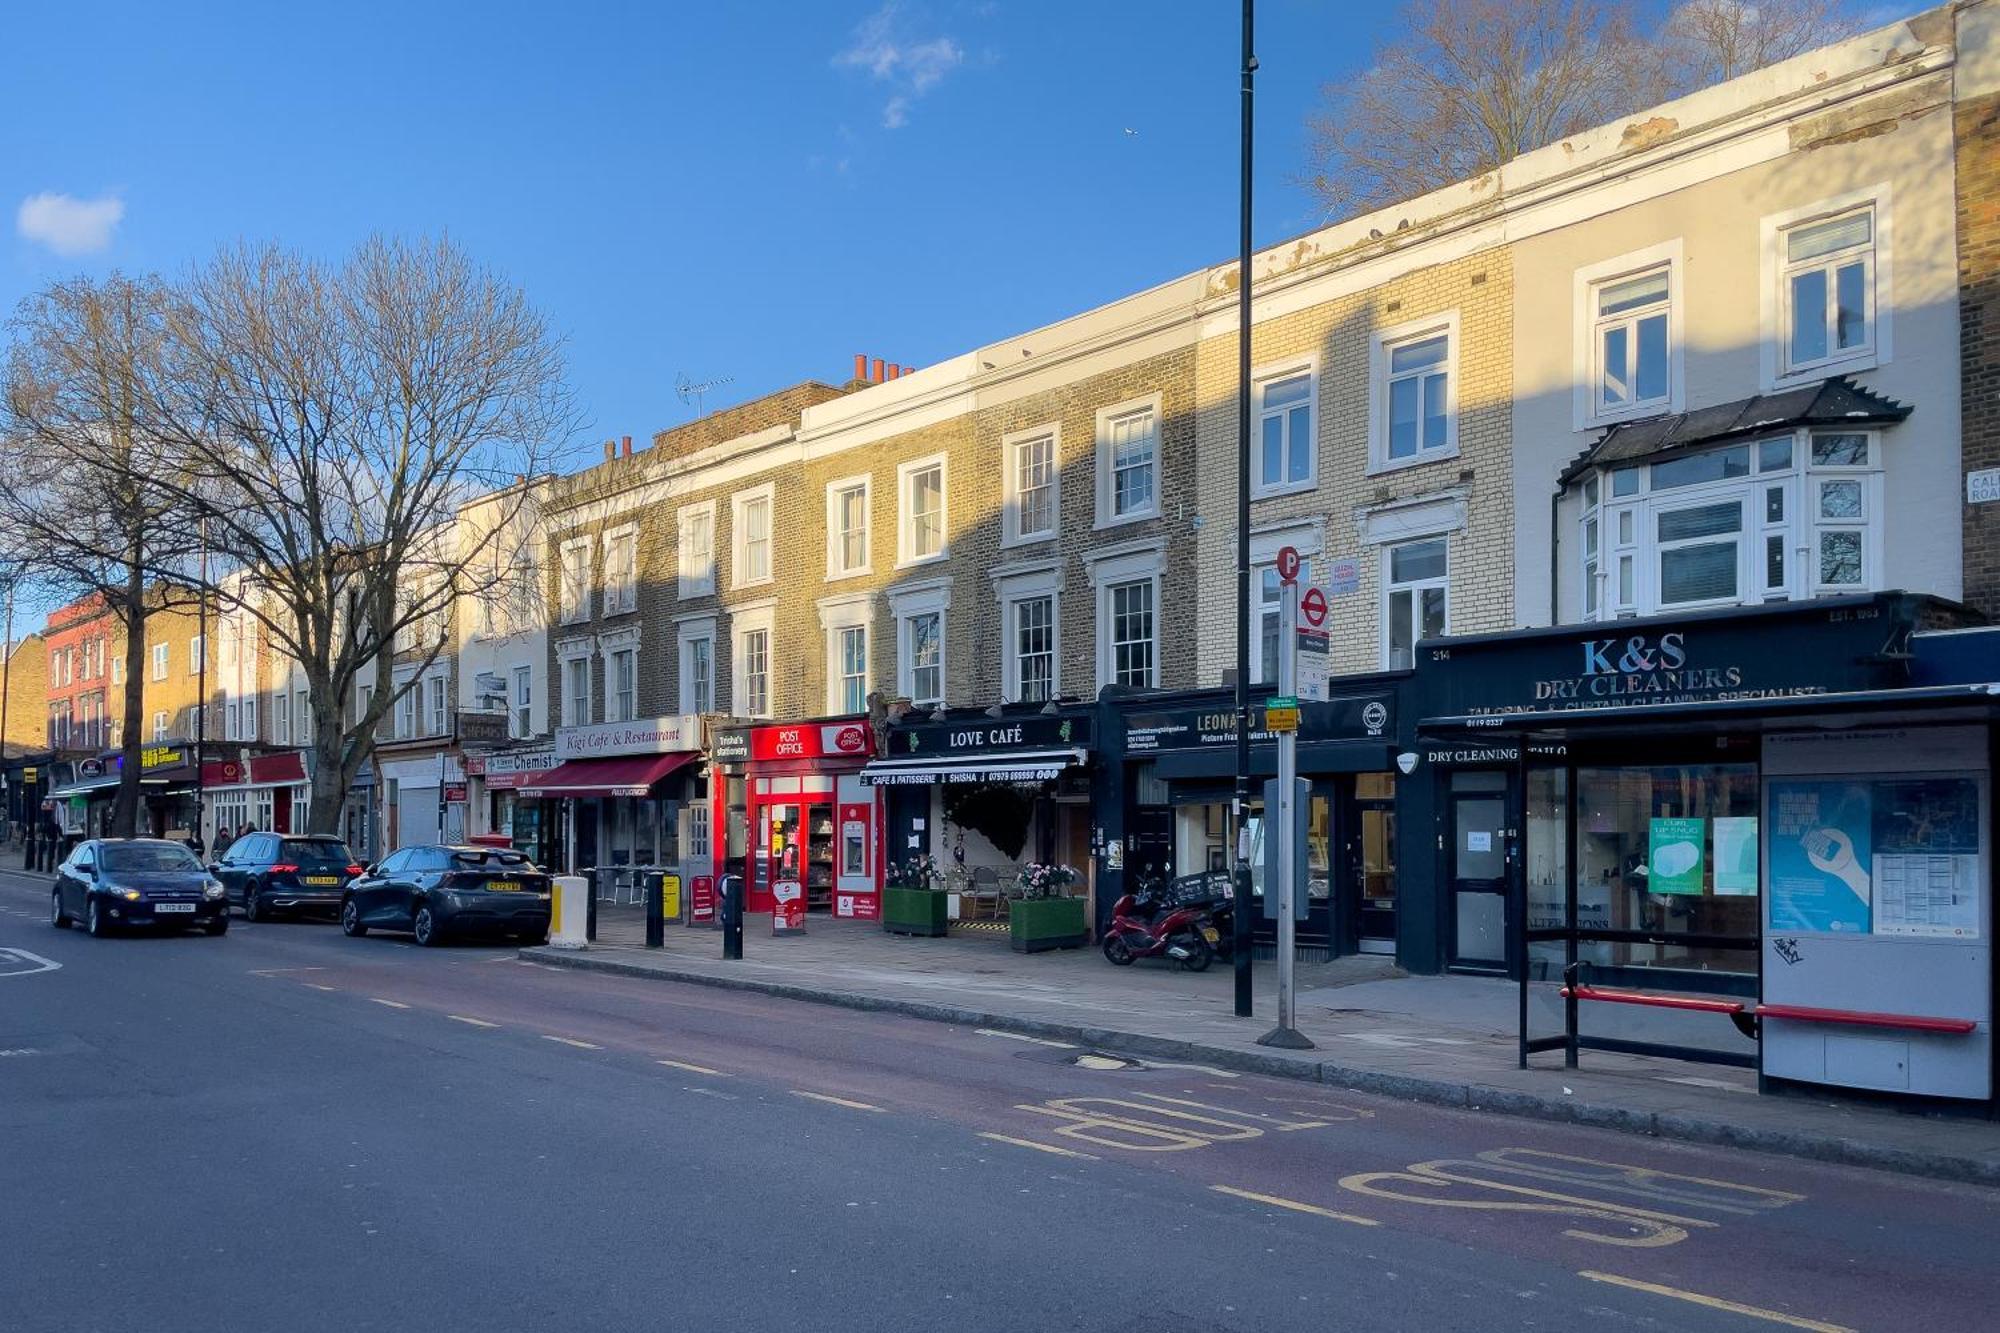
(1149,924)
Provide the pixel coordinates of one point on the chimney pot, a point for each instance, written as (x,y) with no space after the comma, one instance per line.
(861,365)
(628,446)
(877,376)
(895,371)
(610,450)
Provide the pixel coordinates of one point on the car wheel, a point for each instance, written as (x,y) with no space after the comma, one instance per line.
(57,917)
(424,927)
(350,919)
(95,921)
(250,902)
(219,926)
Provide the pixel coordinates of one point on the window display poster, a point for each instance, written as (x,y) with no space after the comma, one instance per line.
(1674,855)
(1926,866)
(1736,856)
(1820,832)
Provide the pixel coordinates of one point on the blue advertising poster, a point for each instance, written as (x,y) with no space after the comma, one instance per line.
(1819,834)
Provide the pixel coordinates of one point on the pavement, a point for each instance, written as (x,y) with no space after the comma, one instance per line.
(1444,1040)
(283,1128)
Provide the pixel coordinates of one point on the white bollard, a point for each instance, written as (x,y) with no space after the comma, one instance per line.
(570,910)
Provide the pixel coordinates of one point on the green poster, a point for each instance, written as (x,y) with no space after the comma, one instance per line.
(1675,857)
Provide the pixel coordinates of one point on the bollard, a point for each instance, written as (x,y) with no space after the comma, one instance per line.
(568,925)
(590,912)
(732,916)
(656,910)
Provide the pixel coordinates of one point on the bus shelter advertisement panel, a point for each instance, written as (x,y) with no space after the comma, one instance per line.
(1820,835)
(1893,856)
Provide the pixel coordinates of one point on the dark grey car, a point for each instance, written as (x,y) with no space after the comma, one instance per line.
(433,891)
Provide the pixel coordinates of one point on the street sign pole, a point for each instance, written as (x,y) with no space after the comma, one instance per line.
(1283,821)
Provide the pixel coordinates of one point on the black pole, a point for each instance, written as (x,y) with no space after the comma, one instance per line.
(201,695)
(1243,910)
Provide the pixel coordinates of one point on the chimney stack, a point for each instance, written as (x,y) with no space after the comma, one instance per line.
(628,446)
(894,370)
(861,365)
(610,450)
(876,378)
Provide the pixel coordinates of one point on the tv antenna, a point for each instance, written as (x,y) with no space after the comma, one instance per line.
(691,391)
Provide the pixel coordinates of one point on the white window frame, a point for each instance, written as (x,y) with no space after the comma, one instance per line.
(521,709)
(1413,589)
(836,537)
(1274,373)
(621,699)
(838,616)
(160,661)
(1029,584)
(745,621)
(1775,289)
(695,569)
(572,593)
(739,535)
(1012,533)
(687,633)
(437,698)
(160,725)
(906,473)
(1380,347)
(281,718)
(621,587)
(1147,405)
(405,725)
(195,649)
(1115,569)
(1587,412)
(576,704)
(909,604)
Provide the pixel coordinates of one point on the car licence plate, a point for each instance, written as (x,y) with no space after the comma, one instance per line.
(1208,933)
(502,885)
(322,879)
(173,907)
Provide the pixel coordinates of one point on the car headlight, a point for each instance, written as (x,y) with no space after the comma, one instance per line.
(212,889)
(129,895)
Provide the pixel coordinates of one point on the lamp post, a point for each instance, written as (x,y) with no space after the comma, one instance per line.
(201,694)
(6,690)
(1241,945)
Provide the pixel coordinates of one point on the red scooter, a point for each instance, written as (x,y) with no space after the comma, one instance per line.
(1144,926)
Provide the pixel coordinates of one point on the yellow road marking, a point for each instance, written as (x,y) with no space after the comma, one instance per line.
(837,1101)
(1717,1303)
(475,1022)
(1295,1206)
(571,1041)
(692,1069)
(393,1004)
(1040,1147)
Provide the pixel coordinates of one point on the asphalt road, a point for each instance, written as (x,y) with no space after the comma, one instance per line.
(285,1129)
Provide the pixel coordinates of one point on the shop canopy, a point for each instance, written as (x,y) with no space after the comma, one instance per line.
(625,775)
(1014,767)
(106,782)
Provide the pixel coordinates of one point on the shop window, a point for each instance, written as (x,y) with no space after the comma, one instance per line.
(1415,599)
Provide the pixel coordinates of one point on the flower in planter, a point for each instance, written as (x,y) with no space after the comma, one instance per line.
(919,872)
(1036,880)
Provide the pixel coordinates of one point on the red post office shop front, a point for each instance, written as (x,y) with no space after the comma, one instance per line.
(804,826)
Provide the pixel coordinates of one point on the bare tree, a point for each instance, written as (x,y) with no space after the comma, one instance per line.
(1466,86)
(335,417)
(88,492)
(1704,42)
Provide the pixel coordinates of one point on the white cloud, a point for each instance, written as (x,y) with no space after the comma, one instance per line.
(884,48)
(68,225)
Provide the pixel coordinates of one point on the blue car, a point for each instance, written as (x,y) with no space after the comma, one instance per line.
(111,883)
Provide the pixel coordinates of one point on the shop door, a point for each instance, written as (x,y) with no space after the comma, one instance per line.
(1478,861)
(1373,862)
(1149,843)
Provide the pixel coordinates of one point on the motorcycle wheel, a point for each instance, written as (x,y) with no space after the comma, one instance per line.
(1200,954)
(1117,950)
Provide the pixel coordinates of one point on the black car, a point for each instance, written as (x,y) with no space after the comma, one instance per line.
(434,891)
(107,883)
(271,874)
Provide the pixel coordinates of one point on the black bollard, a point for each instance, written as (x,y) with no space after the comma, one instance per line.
(732,916)
(656,909)
(590,912)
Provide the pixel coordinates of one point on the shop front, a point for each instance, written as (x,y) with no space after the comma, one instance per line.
(1178,759)
(809,825)
(267,792)
(495,781)
(619,795)
(1764,806)
(985,796)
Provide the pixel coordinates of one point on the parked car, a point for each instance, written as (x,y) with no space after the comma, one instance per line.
(434,891)
(269,874)
(108,883)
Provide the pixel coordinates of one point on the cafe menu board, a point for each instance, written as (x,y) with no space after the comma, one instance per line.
(1893,856)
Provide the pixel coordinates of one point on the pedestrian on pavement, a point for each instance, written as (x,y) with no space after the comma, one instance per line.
(223,837)
(52,837)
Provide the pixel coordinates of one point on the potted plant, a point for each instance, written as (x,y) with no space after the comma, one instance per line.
(1041,915)
(911,901)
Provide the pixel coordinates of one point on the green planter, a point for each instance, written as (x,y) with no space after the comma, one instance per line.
(1035,924)
(913,912)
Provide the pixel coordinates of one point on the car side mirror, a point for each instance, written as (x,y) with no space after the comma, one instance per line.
(215,867)
(370,871)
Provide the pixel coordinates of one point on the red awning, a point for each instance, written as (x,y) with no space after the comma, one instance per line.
(627,775)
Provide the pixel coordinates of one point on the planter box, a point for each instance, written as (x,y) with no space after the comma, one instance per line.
(913,912)
(1035,924)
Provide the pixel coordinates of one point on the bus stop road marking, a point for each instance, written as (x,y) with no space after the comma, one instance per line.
(834,1101)
(1716,1303)
(1295,1206)
(1049,1148)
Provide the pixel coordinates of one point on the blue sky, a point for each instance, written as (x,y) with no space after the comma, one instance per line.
(751,190)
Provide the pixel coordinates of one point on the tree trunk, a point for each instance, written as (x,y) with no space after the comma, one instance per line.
(125,809)
(335,762)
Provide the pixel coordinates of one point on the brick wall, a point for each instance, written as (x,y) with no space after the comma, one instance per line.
(1977,133)
(729,423)
(27,696)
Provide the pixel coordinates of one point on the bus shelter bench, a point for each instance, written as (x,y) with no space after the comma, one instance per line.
(1741,1014)
(1802,1013)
